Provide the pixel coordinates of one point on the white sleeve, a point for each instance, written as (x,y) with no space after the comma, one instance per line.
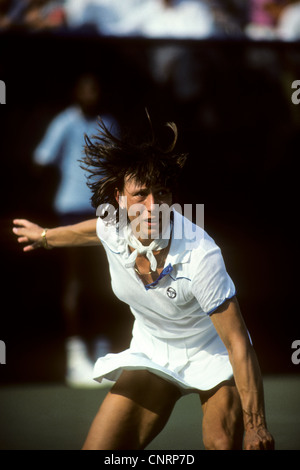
(211,284)
(102,230)
(108,235)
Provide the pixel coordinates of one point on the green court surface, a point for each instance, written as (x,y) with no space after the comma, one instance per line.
(55,417)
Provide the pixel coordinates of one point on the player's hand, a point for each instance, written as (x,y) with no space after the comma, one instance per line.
(258,438)
(29,233)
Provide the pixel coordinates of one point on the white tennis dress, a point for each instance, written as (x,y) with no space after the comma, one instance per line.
(173,335)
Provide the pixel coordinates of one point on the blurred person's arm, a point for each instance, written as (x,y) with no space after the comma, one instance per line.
(34,236)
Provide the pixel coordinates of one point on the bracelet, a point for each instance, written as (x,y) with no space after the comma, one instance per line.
(44,240)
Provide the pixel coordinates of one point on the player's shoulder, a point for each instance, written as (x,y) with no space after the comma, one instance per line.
(67,117)
(107,232)
(193,236)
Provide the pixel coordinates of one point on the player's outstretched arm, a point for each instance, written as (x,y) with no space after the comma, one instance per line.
(34,236)
(233,332)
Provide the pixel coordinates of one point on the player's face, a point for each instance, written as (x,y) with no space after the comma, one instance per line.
(142,204)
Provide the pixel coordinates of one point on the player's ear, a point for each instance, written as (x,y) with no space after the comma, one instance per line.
(117,195)
(120,198)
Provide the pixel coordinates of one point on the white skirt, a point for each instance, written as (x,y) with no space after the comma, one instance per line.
(181,361)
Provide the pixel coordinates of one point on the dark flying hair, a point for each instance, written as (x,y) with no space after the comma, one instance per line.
(109,159)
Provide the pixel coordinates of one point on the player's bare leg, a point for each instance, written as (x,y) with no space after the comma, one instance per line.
(133,412)
(222,418)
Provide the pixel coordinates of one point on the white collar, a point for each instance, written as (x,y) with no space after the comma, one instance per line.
(140,249)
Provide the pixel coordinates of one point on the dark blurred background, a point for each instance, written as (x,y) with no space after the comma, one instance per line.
(230,95)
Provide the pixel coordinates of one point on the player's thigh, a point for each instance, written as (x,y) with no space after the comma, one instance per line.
(134,411)
(222,417)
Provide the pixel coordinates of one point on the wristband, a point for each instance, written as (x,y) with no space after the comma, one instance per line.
(44,240)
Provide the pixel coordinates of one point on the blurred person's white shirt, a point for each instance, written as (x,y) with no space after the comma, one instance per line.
(104,14)
(288,28)
(147,18)
(184,19)
(62,146)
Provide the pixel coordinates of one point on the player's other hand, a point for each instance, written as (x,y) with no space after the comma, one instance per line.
(258,439)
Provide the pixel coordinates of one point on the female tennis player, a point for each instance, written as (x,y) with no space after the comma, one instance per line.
(189,335)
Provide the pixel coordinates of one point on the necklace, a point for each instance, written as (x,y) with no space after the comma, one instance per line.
(145,274)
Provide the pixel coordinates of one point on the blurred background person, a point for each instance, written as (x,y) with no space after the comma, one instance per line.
(286,14)
(260,22)
(274,19)
(5,6)
(62,146)
(106,17)
(32,14)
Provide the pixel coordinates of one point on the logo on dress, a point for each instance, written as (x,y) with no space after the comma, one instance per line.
(171,293)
